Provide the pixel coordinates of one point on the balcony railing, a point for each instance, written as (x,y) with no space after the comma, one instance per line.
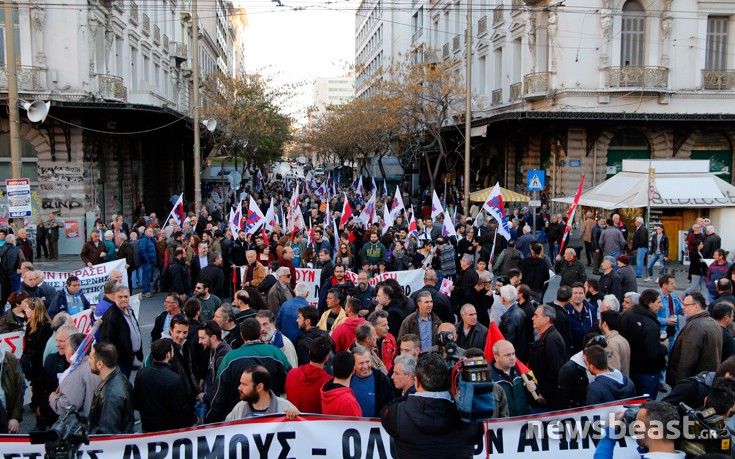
(29,78)
(417,35)
(111,87)
(146,24)
(133,12)
(718,80)
(165,43)
(482,25)
(536,84)
(156,34)
(455,43)
(178,51)
(498,15)
(638,77)
(497,97)
(445,50)
(515,91)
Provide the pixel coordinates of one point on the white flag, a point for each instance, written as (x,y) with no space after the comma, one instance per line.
(436,206)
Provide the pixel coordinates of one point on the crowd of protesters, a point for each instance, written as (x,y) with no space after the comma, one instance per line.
(232,343)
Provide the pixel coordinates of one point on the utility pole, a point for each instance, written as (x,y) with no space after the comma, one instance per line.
(195,100)
(15,154)
(468,111)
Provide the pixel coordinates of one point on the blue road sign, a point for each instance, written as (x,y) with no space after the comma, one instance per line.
(536,180)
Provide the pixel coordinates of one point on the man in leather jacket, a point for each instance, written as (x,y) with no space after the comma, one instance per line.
(112,405)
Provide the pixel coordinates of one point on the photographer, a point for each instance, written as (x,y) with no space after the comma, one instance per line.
(427,424)
(654,416)
(336,281)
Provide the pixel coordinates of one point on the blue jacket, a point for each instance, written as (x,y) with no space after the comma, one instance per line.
(60,304)
(147,250)
(287,315)
(664,314)
(580,324)
(610,387)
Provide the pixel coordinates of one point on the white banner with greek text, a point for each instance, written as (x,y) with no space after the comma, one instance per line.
(92,279)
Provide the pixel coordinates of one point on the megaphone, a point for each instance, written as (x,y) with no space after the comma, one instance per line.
(210,124)
(37,110)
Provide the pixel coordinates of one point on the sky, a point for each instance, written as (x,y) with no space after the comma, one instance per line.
(300,41)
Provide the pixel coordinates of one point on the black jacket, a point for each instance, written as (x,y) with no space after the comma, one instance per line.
(115,330)
(513,328)
(640,238)
(112,406)
(482,304)
(385,392)
(562,325)
(640,327)
(159,396)
(430,428)
(179,279)
(475,338)
(535,273)
(664,244)
(214,359)
(606,282)
(215,277)
(442,303)
(572,384)
(158,326)
(396,314)
(305,340)
(465,283)
(712,242)
(627,282)
(547,355)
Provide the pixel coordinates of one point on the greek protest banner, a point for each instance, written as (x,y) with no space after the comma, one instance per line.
(92,279)
(13,342)
(336,437)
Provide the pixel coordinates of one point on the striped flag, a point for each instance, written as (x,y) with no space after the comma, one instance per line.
(570,214)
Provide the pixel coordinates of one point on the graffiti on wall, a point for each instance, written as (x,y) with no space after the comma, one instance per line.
(60,177)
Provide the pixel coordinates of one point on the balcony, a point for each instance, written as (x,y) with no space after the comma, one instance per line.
(718,80)
(29,78)
(445,50)
(156,34)
(498,15)
(146,24)
(535,85)
(178,51)
(482,25)
(515,91)
(497,97)
(120,6)
(111,87)
(416,35)
(638,77)
(455,44)
(133,12)
(165,43)
(516,6)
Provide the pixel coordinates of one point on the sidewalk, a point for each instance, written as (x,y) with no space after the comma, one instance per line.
(63,263)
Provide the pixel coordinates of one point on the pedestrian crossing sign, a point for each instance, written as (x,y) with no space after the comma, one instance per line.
(536,180)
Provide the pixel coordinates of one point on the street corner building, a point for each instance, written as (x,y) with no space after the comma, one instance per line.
(118,76)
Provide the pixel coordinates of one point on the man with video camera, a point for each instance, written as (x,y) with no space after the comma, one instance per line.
(427,424)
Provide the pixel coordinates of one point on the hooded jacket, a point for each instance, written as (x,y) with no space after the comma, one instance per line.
(610,387)
(303,385)
(535,273)
(430,427)
(344,334)
(573,382)
(339,400)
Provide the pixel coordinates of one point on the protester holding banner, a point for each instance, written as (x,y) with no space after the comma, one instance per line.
(77,388)
(71,300)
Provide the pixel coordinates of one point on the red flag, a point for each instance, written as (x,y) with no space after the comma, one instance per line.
(346,213)
(570,215)
(493,336)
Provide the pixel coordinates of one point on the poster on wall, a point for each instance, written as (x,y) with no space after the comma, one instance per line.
(19,197)
(72,229)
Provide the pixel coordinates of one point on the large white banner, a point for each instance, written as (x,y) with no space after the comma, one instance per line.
(335,437)
(92,279)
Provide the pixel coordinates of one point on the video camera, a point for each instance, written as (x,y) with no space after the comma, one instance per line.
(472,389)
(708,434)
(448,347)
(65,436)
(347,289)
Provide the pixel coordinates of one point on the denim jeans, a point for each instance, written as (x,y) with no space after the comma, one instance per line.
(553,249)
(646,383)
(652,261)
(146,271)
(699,283)
(640,261)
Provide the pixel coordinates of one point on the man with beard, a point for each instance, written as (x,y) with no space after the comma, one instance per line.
(112,405)
(209,302)
(257,398)
(254,272)
(365,292)
(271,335)
(210,338)
(307,320)
(182,361)
(338,281)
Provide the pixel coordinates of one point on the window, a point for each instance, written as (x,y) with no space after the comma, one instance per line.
(28,158)
(633,35)
(482,75)
(417,21)
(498,55)
(3,60)
(716,43)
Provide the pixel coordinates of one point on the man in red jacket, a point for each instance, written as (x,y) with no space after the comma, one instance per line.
(344,334)
(304,383)
(336,396)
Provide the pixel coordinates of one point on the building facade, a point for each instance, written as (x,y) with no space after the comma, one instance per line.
(118,76)
(332,91)
(576,86)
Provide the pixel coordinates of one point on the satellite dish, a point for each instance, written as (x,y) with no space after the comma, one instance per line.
(36,110)
(210,124)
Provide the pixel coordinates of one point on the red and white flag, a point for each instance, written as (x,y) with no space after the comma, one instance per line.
(570,215)
(436,206)
(495,207)
(255,217)
(346,212)
(397,204)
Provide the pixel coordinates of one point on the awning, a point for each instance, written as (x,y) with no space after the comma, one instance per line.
(508,196)
(671,190)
